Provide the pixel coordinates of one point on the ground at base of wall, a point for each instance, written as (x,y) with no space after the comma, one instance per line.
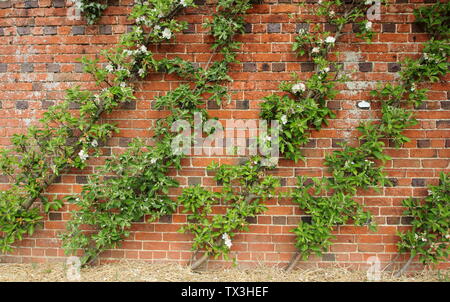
(141,271)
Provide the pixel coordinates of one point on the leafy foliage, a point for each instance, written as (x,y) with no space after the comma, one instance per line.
(92,10)
(429,237)
(66,138)
(243,189)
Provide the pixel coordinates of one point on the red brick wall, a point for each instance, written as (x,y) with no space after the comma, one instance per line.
(39,48)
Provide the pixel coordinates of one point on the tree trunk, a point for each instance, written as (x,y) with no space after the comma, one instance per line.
(294,260)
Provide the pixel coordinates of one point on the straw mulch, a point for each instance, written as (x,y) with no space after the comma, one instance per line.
(141,271)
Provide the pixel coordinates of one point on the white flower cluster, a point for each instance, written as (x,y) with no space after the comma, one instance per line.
(283,119)
(83,155)
(368,25)
(330,40)
(167,33)
(227,240)
(109,68)
(299,87)
(94,143)
(183,3)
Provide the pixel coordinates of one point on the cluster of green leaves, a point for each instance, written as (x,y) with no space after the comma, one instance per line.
(91,10)
(66,138)
(243,187)
(430,236)
(326,212)
(435,18)
(140,184)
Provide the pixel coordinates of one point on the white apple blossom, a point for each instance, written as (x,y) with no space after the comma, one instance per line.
(332,13)
(315,50)
(183,3)
(283,119)
(227,240)
(109,68)
(83,155)
(143,49)
(94,143)
(141,72)
(368,25)
(330,40)
(167,33)
(153,161)
(299,87)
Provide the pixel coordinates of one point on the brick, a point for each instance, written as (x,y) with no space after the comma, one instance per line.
(278,67)
(78,30)
(365,67)
(393,67)
(23,30)
(388,28)
(21,105)
(273,27)
(50,30)
(250,67)
(27,67)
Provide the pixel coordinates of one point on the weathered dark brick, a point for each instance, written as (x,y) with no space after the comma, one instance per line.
(26,67)
(273,28)
(306,219)
(242,104)
(278,67)
(54,216)
(443,124)
(249,67)
(81,179)
(31,4)
(194,180)
(393,220)
(58,3)
(165,219)
(50,30)
(307,66)
(423,143)
(248,27)
(3,67)
(78,30)
(388,27)
(406,220)
(53,67)
(21,105)
(131,105)
(365,67)
(394,67)
(279,220)
(213,105)
(23,30)
(418,182)
(251,220)
(105,29)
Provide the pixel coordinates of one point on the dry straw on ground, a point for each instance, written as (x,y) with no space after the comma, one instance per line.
(141,271)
